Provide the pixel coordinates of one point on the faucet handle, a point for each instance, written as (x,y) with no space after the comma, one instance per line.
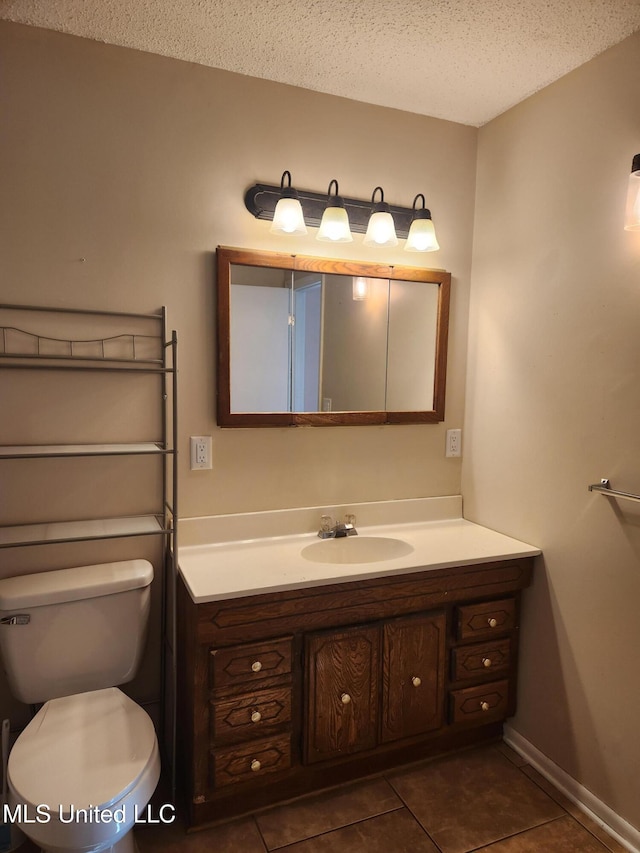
(350,524)
(326,523)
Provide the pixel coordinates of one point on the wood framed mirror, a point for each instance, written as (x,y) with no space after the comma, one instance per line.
(323,342)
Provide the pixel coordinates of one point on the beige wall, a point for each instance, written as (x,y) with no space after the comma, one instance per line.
(553,404)
(139,163)
(354,366)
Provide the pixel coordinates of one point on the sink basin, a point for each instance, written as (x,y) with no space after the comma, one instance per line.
(356,549)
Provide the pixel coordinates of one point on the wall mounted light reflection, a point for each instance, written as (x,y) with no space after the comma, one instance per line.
(360,288)
(334,227)
(632,213)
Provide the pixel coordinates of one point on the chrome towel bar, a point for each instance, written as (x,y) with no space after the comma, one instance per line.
(604,487)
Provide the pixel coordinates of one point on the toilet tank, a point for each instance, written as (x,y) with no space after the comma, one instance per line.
(74,630)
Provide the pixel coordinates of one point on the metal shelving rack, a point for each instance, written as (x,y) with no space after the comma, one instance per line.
(82,353)
(126,353)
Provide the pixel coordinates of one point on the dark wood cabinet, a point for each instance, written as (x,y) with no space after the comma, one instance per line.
(342,692)
(289,692)
(413,676)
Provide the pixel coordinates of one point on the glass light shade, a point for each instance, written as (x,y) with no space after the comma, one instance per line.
(422,237)
(335,226)
(632,215)
(288,217)
(381,230)
(360,288)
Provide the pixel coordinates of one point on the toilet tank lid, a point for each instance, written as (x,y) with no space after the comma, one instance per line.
(74,584)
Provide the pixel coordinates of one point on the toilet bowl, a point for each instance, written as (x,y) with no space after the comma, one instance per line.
(82,771)
(87,764)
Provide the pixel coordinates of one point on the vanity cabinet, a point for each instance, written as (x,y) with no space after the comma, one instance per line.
(372,685)
(287,692)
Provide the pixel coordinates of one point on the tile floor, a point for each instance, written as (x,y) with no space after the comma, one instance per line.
(486,800)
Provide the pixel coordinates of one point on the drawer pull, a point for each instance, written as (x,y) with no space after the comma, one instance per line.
(255,765)
(256,666)
(416,681)
(492,622)
(256,716)
(484,706)
(345,698)
(486,662)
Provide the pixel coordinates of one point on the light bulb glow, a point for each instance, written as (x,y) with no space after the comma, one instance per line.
(632,214)
(422,237)
(288,217)
(381,230)
(335,226)
(360,289)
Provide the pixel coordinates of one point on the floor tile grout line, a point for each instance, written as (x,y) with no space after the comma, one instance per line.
(338,828)
(599,841)
(576,817)
(262,838)
(488,847)
(503,748)
(414,816)
(528,829)
(551,794)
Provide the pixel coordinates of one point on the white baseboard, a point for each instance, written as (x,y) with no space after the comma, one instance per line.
(618,827)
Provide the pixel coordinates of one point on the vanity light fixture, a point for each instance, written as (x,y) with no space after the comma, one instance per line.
(334,227)
(632,215)
(327,212)
(381,230)
(288,217)
(422,234)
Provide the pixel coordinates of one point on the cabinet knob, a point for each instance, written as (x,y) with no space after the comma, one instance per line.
(256,666)
(492,622)
(484,706)
(345,698)
(416,681)
(256,716)
(486,662)
(255,765)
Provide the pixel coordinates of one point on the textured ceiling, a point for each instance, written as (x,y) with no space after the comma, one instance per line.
(462,60)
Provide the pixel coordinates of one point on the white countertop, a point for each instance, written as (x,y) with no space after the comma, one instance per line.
(228,569)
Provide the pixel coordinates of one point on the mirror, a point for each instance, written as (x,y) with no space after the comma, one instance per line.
(325,342)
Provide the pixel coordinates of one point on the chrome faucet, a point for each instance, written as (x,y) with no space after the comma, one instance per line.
(339,529)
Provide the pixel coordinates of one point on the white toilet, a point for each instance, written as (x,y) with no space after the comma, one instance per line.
(87,764)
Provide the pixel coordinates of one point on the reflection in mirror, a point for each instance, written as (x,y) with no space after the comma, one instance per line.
(309,340)
(260,340)
(411,345)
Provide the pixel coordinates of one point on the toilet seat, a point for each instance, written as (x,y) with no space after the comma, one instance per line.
(86,750)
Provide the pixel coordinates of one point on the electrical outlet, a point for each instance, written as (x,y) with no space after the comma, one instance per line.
(200,452)
(454,442)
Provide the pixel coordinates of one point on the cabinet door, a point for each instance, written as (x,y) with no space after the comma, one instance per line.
(342,692)
(413,665)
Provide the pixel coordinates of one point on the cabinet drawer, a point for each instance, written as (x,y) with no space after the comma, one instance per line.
(477,703)
(482,620)
(481,660)
(249,761)
(253,662)
(250,715)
